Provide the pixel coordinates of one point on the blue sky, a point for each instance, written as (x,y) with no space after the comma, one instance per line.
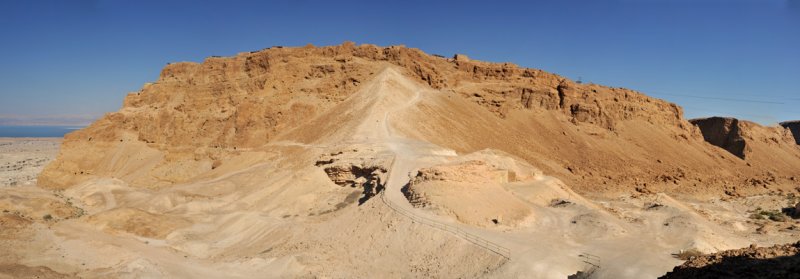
(72,59)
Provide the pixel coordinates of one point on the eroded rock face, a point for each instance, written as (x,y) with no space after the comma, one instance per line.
(351,168)
(779,261)
(723,132)
(794,127)
(367,177)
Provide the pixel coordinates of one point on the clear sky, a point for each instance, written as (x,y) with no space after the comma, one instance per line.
(739,58)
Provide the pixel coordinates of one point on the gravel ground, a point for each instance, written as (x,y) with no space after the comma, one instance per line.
(21,159)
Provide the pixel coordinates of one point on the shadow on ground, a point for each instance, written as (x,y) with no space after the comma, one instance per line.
(742,267)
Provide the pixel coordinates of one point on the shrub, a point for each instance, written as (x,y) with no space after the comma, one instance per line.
(79,213)
(777,217)
(773,215)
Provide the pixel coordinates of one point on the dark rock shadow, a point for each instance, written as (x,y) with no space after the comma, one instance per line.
(742,267)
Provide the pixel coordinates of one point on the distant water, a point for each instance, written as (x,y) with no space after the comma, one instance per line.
(35,131)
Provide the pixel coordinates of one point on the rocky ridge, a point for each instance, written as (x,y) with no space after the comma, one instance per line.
(197,116)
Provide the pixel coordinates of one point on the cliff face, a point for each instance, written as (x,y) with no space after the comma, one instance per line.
(747,139)
(198,116)
(725,133)
(794,127)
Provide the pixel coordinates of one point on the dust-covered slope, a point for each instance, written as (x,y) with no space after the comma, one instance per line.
(189,121)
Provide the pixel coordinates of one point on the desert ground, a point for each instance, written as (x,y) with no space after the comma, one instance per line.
(22,159)
(387,174)
(631,236)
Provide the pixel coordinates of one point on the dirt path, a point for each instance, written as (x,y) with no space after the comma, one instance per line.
(410,155)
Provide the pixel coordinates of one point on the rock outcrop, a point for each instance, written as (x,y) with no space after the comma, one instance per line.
(350,168)
(779,261)
(794,127)
(774,146)
(725,133)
